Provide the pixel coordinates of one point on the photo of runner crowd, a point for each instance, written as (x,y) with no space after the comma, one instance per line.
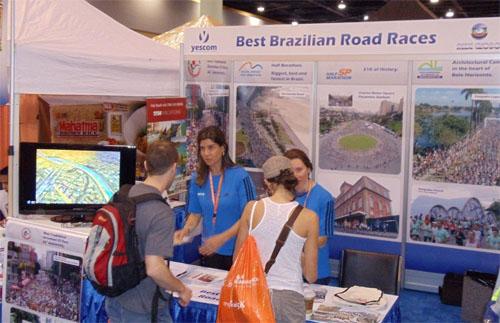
(42,282)
(456,139)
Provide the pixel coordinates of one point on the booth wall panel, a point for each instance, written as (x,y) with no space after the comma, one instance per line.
(443,260)
(340,242)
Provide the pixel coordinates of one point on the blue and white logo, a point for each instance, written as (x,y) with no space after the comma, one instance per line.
(479,31)
(204,47)
(204,36)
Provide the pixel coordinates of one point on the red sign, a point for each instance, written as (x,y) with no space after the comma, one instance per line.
(77,128)
(166,109)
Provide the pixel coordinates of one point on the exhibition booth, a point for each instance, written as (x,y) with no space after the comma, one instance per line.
(401,120)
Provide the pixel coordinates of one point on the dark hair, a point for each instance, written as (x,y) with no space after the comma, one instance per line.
(285,178)
(161,155)
(216,135)
(299,154)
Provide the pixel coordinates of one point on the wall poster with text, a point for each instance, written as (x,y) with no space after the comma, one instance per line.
(207,92)
(273,109)
(455,191)
(361,125)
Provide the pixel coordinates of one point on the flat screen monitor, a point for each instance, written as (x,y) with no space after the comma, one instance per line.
(71,178)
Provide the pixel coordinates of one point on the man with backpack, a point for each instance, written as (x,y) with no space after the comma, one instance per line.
(155,226)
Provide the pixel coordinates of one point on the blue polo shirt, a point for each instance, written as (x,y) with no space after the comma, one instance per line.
(323,204)
(237,189)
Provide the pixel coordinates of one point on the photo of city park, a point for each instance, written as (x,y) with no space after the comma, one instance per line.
(457,135)
(43,281)
(271,120)
(360,129)
(456,217)
(207,105)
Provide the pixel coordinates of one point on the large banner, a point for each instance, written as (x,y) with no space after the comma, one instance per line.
(458,36)
(378,106)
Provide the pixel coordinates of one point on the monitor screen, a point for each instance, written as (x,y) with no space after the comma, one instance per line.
(58,178)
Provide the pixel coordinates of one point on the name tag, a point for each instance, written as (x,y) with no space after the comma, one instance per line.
(201,194)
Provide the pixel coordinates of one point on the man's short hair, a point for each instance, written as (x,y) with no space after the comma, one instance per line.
(161,155)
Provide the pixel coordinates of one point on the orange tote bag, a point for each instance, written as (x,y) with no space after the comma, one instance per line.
(245,296)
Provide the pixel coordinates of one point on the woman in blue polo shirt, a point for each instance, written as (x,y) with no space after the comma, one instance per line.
(316,198)
(218,193)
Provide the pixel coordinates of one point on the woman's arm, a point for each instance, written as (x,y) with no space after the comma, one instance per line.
(310,261)
(191,223)
(243,228)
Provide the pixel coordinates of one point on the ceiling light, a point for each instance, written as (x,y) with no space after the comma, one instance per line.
(341,5)
(449,13)
(434,1)
(366,17)
(295,23)
(260,9)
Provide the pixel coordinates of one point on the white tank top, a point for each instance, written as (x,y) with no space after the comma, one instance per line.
(286,273)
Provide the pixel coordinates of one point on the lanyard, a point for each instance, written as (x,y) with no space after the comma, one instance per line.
(309,187)
(216,198)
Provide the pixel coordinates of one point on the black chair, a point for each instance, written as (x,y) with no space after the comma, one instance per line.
(371,269)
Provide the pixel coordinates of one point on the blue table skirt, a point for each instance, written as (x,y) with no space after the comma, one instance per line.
(200,312)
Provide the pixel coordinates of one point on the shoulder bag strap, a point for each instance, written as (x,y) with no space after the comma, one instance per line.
(282,237)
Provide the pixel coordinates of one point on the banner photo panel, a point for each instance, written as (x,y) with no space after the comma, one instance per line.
(460,216)
(361,128)
(270,120)
(44,281)
(365,205)
(207,99)
(456,136)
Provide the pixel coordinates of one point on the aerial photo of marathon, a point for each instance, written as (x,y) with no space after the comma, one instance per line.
(457,135)
(76,177)
(207,105)
(271,120)
(361,131)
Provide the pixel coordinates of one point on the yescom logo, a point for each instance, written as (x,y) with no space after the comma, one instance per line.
(479,31)
(204,47)
(203,36)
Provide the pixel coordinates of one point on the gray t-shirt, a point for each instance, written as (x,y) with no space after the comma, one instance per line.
(155,226)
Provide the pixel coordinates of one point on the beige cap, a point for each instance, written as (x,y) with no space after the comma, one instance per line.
(274,165)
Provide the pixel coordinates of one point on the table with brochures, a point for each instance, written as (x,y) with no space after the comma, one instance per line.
(206,284)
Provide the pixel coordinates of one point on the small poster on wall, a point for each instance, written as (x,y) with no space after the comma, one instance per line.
(77,123)
(166,120)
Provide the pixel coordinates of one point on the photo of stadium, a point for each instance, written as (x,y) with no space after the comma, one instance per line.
(457,135)
(271,120)
(361,129)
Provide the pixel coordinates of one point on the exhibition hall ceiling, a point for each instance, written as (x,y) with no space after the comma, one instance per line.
(328,11)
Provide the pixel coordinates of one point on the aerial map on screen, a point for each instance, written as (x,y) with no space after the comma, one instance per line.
(76,176)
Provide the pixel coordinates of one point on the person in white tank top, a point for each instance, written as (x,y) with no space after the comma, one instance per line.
(298,257)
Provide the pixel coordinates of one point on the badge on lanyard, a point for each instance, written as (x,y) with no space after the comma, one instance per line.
(215,196)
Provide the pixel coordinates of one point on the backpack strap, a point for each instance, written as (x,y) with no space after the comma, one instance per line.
(283,236)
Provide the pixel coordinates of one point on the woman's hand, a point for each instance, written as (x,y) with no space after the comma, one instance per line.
(212,244)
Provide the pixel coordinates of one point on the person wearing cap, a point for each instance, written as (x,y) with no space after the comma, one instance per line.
(298,257)
(315,197)
(218,193)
